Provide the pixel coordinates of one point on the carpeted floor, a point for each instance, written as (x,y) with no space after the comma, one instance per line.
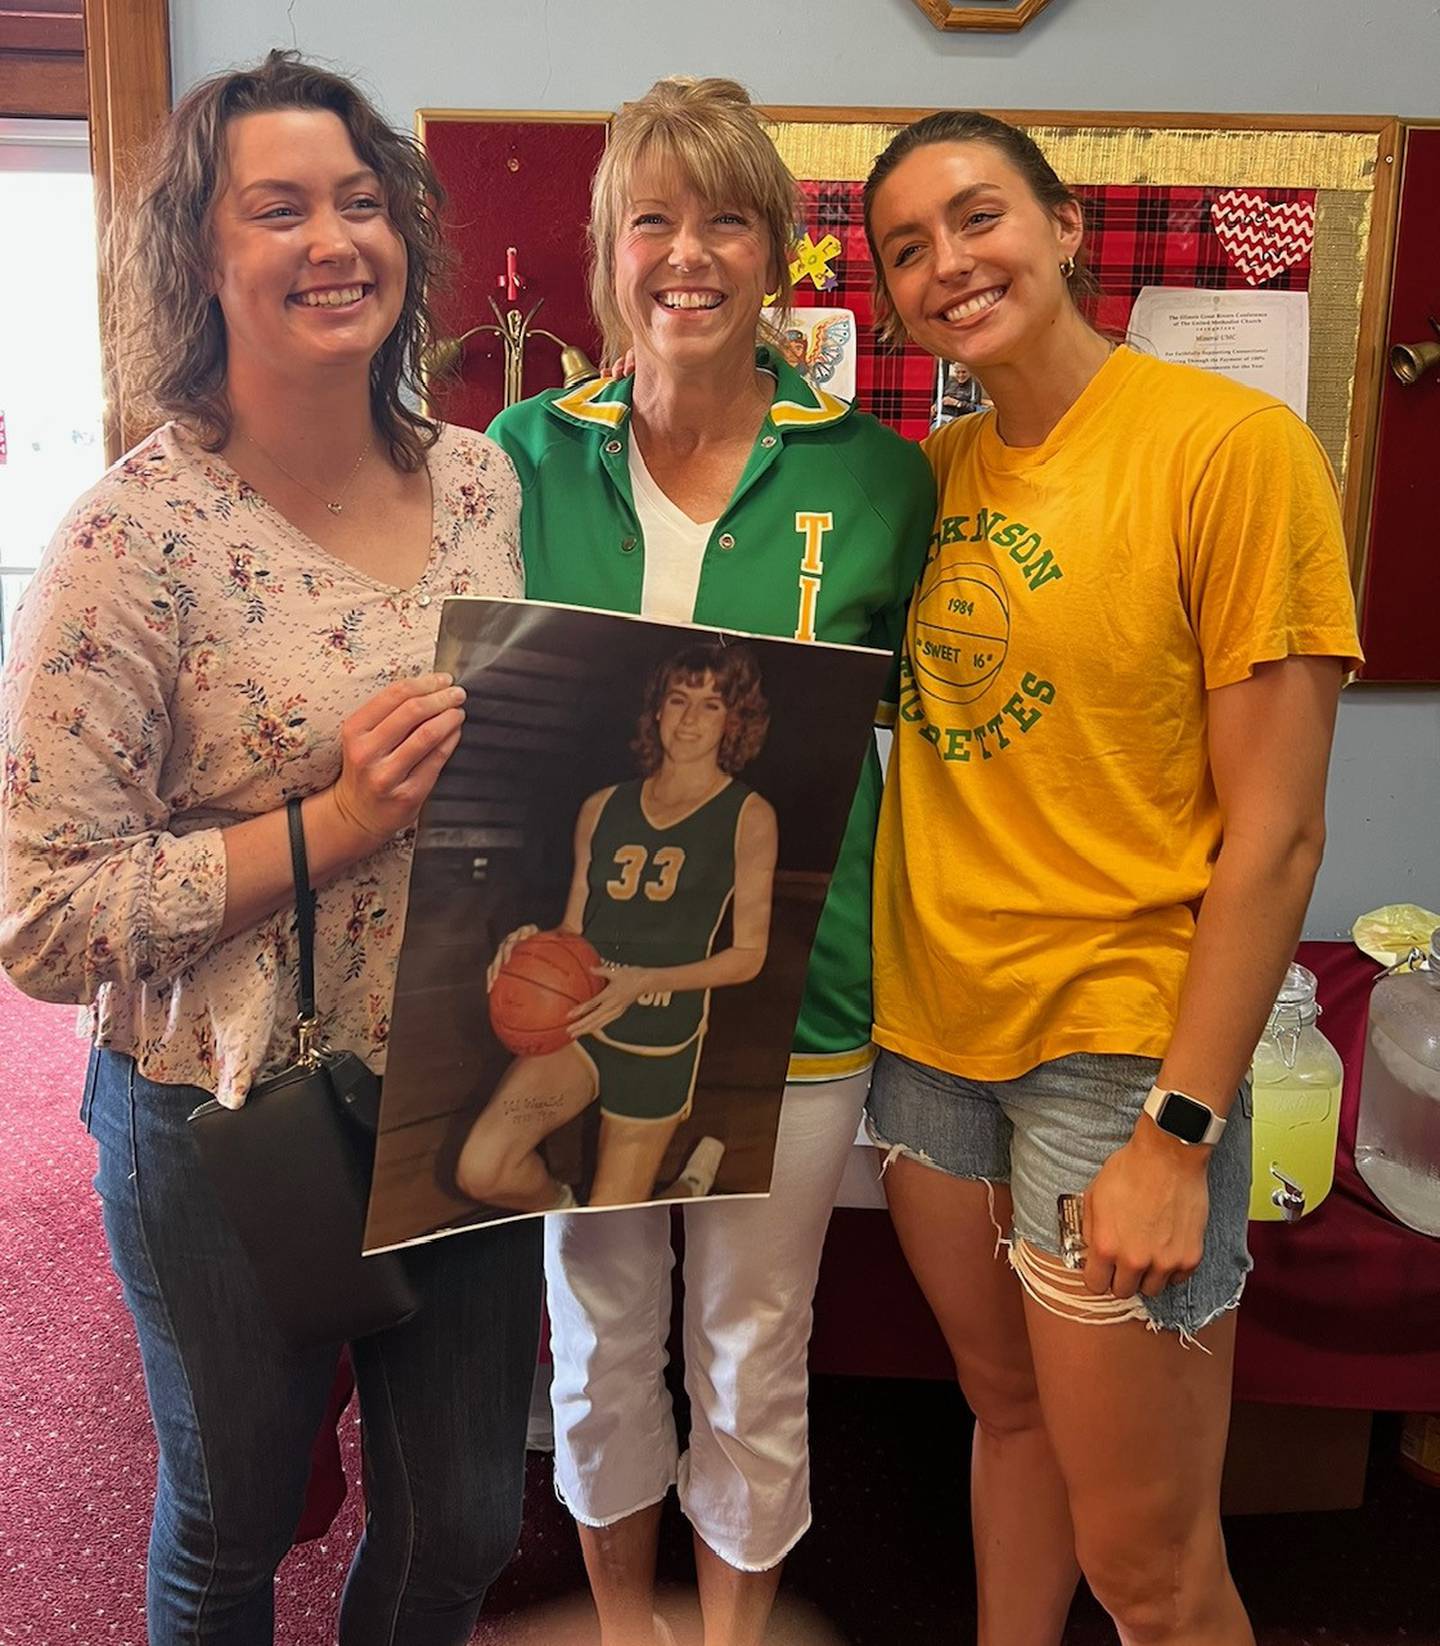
(886,1565)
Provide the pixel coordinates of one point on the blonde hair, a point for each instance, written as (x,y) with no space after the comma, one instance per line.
(706,131)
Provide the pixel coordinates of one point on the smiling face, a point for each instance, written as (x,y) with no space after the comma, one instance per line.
(692,721)
(309,269)
(690,274)
(970,257)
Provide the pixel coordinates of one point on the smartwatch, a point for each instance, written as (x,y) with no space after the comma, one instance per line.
(1184,1117)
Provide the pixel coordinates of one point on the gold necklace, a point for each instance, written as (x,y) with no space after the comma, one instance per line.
(335,504)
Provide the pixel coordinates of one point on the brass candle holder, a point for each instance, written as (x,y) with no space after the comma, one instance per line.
(514,329)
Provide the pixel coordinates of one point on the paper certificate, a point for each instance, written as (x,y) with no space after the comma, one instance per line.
(1257,337)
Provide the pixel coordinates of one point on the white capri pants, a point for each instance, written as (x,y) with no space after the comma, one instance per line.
(750,1271)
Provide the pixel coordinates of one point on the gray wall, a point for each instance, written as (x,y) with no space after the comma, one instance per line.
(1318,56)
(1309,56)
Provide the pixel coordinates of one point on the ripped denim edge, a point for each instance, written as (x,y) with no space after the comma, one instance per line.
(899,1151)
(1108,1310)
(1085,1308)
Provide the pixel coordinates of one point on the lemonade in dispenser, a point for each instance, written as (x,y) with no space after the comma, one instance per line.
(1296,1079)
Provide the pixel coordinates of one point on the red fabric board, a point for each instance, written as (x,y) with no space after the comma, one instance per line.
(1401,616)
(521,183)
(896,386)
(1162,236)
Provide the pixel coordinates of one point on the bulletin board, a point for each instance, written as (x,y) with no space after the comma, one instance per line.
(1271,204)
(1268,203)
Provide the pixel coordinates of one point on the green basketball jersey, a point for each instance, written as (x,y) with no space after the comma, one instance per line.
(822,540)
(656,898)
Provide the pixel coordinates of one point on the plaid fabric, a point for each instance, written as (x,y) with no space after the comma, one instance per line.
(897,387)
(1138,237)
(1135,236)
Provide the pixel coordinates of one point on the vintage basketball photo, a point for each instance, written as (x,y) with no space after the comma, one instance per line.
(616,885)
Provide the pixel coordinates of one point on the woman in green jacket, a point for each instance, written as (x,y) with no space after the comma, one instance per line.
(715,486)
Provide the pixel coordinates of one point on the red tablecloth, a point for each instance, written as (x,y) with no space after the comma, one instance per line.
(1343,1308)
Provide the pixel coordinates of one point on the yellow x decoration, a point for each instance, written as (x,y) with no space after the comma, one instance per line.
(815,261)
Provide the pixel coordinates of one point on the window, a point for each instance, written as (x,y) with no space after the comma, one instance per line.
(50,379)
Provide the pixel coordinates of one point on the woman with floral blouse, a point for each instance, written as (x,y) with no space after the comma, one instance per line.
(241,611)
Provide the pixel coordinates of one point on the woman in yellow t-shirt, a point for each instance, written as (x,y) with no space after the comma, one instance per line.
(1104,817)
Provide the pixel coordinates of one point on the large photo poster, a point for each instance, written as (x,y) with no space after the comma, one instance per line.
(616,885)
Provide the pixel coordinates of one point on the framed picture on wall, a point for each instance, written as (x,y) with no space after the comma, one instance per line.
(993,16)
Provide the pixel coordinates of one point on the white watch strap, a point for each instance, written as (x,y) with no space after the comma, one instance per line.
(1156,1101)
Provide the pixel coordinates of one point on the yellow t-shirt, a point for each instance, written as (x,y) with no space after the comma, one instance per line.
(1050,821)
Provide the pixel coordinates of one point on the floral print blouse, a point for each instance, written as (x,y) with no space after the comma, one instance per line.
(183,660)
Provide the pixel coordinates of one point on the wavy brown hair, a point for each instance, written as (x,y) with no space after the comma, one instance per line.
(1014,145)
(167,331)
(736,674)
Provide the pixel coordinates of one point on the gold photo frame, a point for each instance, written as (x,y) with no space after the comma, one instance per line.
(993,17)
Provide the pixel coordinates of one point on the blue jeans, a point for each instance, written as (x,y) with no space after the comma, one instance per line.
(443,1399)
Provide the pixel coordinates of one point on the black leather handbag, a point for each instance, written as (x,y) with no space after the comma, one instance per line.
(292,1170)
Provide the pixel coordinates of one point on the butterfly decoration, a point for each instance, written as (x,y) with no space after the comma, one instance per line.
(817,354)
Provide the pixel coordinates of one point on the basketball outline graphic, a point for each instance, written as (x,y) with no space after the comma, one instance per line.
(965,611)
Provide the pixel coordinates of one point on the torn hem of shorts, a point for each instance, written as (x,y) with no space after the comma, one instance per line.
(1061,1291)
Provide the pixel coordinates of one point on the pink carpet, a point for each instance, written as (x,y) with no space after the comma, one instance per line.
(77,1458)
(887,1561)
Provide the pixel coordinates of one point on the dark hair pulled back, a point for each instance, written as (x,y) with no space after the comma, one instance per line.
(966,126)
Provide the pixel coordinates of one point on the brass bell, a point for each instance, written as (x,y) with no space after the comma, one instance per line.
(1410,361)
(577,367)
(514,330)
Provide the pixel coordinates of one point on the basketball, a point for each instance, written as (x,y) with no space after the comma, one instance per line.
(546,977)
(962,632)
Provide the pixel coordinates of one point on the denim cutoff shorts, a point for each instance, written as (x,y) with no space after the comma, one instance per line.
(1048,1133)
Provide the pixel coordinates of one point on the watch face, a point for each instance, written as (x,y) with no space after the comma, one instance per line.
(1183,1117)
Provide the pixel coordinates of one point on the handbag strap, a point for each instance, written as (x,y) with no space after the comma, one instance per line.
(305,927)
